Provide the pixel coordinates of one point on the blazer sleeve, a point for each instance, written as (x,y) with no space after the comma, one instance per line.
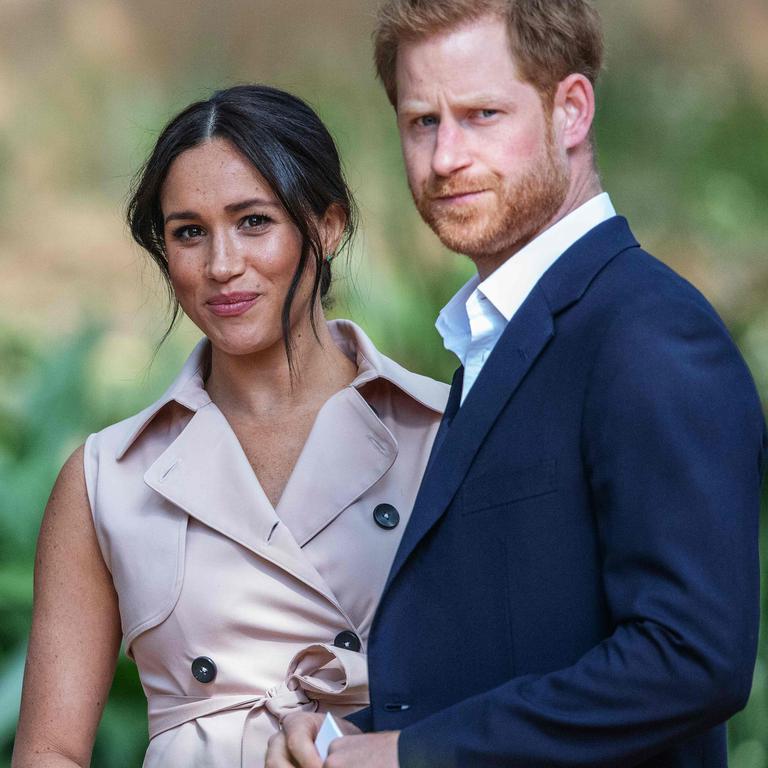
(361,719)
(673,441)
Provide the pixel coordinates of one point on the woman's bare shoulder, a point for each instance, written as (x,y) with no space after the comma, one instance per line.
(68,501)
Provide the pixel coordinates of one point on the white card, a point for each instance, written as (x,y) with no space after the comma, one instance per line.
(327,733)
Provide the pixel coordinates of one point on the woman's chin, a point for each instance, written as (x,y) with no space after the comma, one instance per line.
(239,346)
(236,347)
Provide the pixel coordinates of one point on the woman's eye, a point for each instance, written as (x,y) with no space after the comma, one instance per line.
(255,221)
(188,232)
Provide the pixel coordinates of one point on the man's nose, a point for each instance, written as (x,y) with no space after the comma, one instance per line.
(452,151)
(226,259)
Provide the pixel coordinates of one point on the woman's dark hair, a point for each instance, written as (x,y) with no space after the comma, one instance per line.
(287,144)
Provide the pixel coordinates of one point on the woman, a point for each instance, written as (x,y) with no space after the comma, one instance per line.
(236,534)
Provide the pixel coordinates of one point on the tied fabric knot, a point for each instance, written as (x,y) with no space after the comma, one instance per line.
(280,700)
(320,676)
(330,674)
(319,673)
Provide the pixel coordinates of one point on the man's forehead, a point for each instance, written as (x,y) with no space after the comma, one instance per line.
(465,39)
(475,50)
(472,63)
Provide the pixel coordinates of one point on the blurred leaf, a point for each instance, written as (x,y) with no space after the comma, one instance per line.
(11,675)
(15,585)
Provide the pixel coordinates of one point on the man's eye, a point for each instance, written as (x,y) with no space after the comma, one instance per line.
(255,221)
(426,121)
(188,232)
(488,112)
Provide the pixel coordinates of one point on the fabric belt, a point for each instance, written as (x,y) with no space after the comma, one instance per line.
(318,673)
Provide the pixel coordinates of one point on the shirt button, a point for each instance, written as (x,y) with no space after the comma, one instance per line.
(386,516)
(348,640)
(203,669)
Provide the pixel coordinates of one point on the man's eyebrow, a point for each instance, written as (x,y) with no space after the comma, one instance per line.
(231,208)
(414,107)
(467,101)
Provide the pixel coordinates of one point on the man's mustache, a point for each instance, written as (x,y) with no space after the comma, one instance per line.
(439,188)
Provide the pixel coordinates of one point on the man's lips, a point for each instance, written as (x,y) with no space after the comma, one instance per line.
(232,304)
(459,197)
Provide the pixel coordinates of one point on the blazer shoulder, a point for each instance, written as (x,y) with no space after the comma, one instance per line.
(635,283)
(636,268)
(656,329)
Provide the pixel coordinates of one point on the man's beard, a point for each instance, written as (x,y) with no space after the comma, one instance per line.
(517,212)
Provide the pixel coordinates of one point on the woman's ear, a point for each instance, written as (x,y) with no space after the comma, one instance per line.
(331,228)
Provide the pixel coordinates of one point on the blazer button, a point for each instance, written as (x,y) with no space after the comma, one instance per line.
(348,640)
(203,669)
(386,516)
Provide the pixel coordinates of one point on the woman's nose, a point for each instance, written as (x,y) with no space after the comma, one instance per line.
(226,259)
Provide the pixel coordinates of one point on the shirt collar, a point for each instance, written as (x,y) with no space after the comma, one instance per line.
(453,322)
(507,287)
(188,388)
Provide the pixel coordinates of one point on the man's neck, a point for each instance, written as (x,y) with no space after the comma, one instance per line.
(582,189)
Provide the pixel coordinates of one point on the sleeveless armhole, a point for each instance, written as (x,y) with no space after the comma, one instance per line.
(91,472)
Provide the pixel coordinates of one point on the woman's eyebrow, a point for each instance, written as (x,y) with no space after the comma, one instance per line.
(181,215)
(231,208)
(235,207)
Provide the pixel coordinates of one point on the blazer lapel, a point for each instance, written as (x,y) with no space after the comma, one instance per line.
(454,401)
(236,507)
(524,338)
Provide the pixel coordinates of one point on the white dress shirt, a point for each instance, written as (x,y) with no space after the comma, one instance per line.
(473,320)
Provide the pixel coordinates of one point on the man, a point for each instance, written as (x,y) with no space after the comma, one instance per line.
(578,583)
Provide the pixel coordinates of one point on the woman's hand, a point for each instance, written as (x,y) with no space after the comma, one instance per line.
(294,745)
(75,634)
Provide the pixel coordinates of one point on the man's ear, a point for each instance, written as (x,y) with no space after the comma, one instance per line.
(331,228)
(573,110)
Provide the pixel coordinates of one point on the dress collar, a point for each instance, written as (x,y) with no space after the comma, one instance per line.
(188,389)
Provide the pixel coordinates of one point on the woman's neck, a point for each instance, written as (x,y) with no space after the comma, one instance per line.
(262,385)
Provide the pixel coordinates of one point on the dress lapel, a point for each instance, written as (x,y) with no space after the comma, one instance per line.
(348,450)
(208,448)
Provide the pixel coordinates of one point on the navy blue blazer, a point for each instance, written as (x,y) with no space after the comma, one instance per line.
(578,583)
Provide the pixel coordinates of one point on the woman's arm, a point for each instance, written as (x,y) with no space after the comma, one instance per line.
(75,634)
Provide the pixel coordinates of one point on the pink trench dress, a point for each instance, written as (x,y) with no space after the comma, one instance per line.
(235,612)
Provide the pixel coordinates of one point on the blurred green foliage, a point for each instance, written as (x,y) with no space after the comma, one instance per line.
(682,132)
(47,406)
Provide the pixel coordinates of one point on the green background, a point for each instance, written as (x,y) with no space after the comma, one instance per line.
(85,85)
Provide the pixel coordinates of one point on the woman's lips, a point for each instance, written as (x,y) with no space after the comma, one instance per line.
(232,304)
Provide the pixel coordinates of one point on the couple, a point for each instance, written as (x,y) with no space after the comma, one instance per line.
(574,581)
